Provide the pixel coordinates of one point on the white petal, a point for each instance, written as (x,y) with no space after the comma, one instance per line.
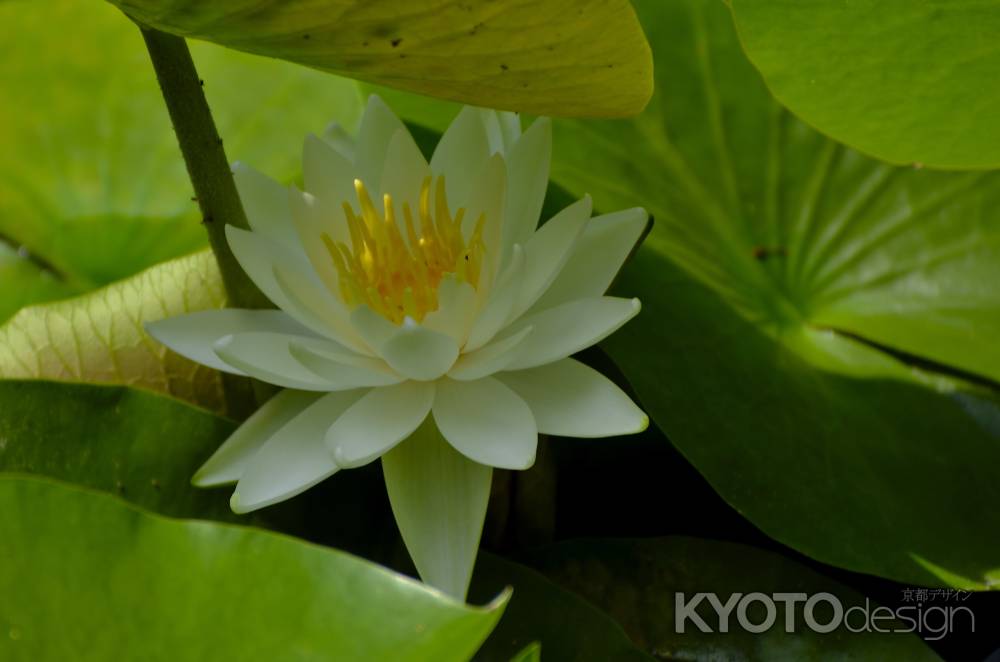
(461,155)
(439,499)
(342,371)
(419,353)
(494,131)
(294,458)
(489,359)
(378,421)
(489,199)
(548,250)
(528,165)
(510,126)
(192,335)
(568,328)
(341,140)
(404,174)
(228,462)
(486,422)
(259,257)
(374,329)
(456,309)
(266,356)
(309,296)
(378,125)
(570,399)
(596,258)
(498,309)
(326,174)
(265,202)
(313,218)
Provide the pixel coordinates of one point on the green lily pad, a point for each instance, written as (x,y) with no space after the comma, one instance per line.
(783,277)
(92,182)
(98,337)
(637,582)
(553,57)
(87,577)
(906,81)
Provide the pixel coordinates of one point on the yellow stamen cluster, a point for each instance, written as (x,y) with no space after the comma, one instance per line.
(398,277)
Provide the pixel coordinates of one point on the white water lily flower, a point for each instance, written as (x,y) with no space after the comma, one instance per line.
(423,318)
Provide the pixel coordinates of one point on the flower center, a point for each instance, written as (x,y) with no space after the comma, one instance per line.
(398,277)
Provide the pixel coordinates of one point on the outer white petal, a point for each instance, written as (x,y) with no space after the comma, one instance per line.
(326,173)
(548,250)
(528,166)
(294,458)
(378,125)
(489,359)
(404,174)
(382,418)
(266,356)
(461,155)
(498,308)
(193,335)
(487,422)
(570,399)
(596,258)
(265,202)
(228,462)
(566,329)
(344,371)
(259,258)
(418,352)
(456,309)
(439,499)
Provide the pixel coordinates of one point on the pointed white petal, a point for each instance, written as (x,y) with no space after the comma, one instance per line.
(266,356)
(341,140)
(192,335)
(309,296)
(294,458)
(528,165)
(343,371)
(326,173)
(489,200)
(548,250)
(489,359)
(487,422)
(374,329)
(510,127)
(497,310)
(596,258)
(570,399)
(568,328)
(461,155)
(378,421)
(228,462)
(265,202)
(456,308)
(419,353)
(378,125)
(439,499)
(313,218)
(404,174)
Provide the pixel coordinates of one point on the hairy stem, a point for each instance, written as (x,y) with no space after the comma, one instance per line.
(205,157)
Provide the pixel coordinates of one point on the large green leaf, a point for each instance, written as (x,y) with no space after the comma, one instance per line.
(637,581)
(91,179)
(774,251)
(906,81)
(567,627)
(98,337)
(555,57)
(85,577)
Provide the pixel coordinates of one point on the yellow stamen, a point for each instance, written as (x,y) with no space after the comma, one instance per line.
(396,275)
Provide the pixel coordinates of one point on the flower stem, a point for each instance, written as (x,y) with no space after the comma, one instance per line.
(205,157)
